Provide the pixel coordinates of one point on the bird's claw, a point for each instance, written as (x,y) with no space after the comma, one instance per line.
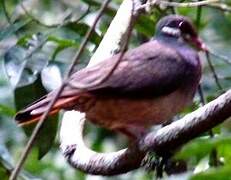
(70,149)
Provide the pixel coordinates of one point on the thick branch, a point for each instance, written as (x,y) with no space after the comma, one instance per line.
(190,126)
(81,157)
(167,138)
(176,4)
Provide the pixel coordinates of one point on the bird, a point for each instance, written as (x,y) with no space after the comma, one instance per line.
(149,86)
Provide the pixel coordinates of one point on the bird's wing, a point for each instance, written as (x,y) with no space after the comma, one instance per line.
(152,69)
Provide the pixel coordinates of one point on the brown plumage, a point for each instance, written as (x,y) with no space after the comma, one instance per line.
(150,85)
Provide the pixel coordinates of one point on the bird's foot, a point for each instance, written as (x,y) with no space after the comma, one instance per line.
(149,162)
(153,162)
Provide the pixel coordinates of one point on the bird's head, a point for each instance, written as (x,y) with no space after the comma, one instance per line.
(179,27)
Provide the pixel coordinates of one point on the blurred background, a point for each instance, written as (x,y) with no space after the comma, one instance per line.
(38,39)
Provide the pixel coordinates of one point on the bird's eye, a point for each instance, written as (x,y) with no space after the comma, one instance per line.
(187,29)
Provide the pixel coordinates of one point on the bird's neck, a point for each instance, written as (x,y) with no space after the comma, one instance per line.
(182,47)
(176,42)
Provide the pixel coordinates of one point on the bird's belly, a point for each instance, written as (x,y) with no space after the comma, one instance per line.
(118,113)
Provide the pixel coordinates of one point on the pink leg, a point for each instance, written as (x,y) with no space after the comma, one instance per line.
(133,132)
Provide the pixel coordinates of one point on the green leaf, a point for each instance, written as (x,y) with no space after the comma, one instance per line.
(201,147)
(24,95)
(63,42)
(11,29)
(145,26)
(95,3)
(62,45)
(23,41)
(92,2)
(21,68)
(8,111)
(6,165)
(46,136)
(81,29)
(4,173)
(24,67)
(222,173)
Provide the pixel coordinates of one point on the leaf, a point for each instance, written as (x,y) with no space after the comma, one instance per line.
(5,162)
(4,173)
(24,95)
(6,166)
(96,3)
(8,111)
(63,42)
(92,2)
(62,45)
(23,41)
(145,26)
(214,174)
(46,136)
(24,67)
(81,29)
(200,147)
(11,29)
(20,68)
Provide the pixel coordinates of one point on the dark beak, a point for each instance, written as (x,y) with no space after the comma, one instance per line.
(199,44)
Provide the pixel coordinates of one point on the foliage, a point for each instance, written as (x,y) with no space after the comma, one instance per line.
(35,54)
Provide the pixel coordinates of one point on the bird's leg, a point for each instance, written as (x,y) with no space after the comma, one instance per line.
(133,132)
(153,162)
(161,163)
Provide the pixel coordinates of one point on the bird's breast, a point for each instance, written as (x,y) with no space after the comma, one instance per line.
(116,113)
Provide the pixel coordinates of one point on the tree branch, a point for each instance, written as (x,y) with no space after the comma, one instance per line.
(167,138)
(190,126)
(81,157)
(176,4)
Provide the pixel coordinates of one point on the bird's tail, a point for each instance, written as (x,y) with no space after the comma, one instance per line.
(34,111)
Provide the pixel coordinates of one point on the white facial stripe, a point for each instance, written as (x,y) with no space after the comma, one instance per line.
(171,31)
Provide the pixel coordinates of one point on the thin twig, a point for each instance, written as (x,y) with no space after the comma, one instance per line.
(222,57)
(201,94)
(220,6)
(176,4)
(200,90)
(198,16)
(59,91)
(213,72)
